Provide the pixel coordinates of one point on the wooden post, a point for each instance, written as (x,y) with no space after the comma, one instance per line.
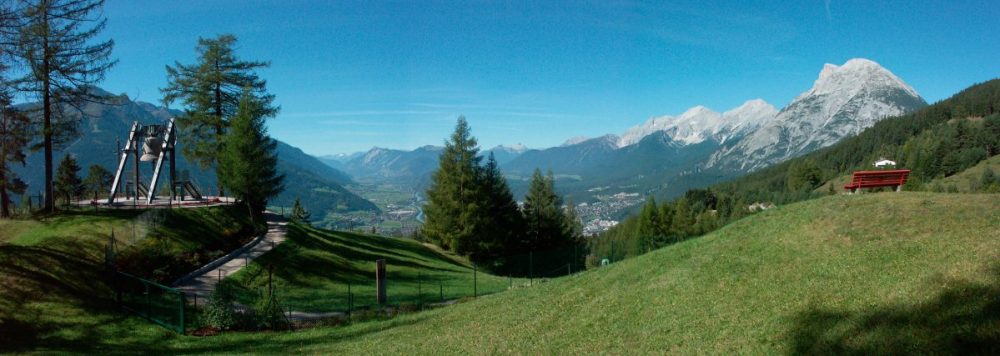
(380,281)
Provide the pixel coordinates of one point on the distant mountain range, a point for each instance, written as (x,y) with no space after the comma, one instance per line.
(668,155)
(319,186)
(411,168)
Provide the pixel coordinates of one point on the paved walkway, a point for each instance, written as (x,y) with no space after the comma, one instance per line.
(202,286)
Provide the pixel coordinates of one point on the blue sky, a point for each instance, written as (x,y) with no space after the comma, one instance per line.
(352,75)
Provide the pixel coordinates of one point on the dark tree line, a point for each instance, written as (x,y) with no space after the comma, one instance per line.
(471,211)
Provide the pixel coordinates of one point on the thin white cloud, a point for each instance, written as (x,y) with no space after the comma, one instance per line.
(360,113)
(829,16)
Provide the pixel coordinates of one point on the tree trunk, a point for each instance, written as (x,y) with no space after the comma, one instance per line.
(47,118)
(219,132)
(4,199)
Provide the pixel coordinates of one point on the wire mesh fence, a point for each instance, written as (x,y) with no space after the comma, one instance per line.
(155,302)
(415,287)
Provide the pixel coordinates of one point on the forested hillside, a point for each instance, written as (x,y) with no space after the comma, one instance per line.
(935,142)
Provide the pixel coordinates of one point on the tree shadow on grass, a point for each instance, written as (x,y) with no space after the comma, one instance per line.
(963,319)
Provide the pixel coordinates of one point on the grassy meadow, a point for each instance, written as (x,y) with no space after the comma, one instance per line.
(313,267)
(873,273)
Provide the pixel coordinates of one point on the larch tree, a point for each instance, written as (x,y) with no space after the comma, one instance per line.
(210,91)
(453,204)
(57,44)
(247,165)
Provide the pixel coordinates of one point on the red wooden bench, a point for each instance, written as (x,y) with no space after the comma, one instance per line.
(874,179)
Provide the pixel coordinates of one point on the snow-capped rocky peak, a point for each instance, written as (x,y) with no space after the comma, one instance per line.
(515,148)
(700,123)
(746,118)
(843,101)
(854,76)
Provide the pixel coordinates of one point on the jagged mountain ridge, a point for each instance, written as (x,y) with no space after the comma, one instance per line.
(843,101)
(410,168)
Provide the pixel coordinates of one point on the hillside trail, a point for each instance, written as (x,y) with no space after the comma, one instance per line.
(201,286)
(198,288)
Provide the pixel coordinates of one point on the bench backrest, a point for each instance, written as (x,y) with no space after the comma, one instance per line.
(880,178)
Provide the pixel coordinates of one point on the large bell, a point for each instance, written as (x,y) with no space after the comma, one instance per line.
(151,148)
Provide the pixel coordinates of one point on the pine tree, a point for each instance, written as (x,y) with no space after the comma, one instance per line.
(501,226)
(299,213)
(804,175)
(55,44)
(649,225)
(543,214)
(68,183)
(453,204)
(666,217)
(248,162)
(572,225)
(98,180)
(683,222)
(211,91)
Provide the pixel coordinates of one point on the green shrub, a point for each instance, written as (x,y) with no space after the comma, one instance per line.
(219,312)
(268,314)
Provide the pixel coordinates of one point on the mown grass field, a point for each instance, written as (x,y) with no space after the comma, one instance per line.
(872,273)
(313,267)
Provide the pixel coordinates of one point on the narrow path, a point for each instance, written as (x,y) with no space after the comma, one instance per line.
(202,286)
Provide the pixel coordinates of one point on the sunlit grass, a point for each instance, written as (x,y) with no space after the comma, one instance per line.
(313,268)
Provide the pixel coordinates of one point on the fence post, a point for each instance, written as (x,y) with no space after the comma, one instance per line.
(569,270)
(475,281)
(183,304)
(441,290)
(380,280)
(350,300)
(420,295)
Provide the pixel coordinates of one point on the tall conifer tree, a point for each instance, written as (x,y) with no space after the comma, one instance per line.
(543,213)
(501,225)
(453,205)
(55,45)
(211,90)
(248,163)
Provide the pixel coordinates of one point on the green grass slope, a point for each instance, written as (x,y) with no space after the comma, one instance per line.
(889,272)
(968,179)
(871,273)
(313,267)
(53,294)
